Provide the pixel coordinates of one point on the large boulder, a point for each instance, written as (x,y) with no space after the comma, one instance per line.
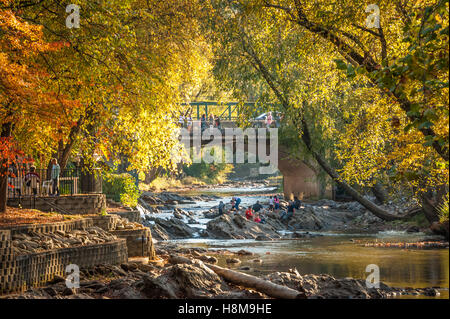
(313,217)
(159,233)
(185,281)
(237,227)
(326,286)
(175,228)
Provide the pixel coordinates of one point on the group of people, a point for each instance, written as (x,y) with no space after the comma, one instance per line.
(256,211)
(32,180)
(212,122)
(205,123)
(271,120)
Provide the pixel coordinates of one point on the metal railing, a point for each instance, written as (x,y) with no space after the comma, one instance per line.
(22,182)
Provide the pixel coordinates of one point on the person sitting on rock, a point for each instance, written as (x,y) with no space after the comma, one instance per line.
(289,212)
(248,213)
(221,207)
(257,207)
(297,202)
(271,203)
(276,202)
(262,218)
(237,202)
(257,219)
(232,202)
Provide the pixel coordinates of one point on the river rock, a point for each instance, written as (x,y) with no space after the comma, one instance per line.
(325,286)
(175,228)
(412,229)
(208,259)
(192,221)
(243,252)
(263,238)
(233,261)
(237,227)
(176,214)
(185,281)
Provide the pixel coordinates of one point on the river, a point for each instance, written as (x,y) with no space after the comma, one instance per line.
(337,254)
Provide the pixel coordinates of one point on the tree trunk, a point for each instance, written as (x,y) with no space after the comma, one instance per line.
(379,192)
(356,59)
(152,174)
(5,133)
(429,208)
(66,149)
(372,207)
(306,138)
(264,286)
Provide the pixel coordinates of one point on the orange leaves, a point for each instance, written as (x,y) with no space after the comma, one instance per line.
(8,154)
(27,97)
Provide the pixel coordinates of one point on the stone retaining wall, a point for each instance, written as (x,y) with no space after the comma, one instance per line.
(75,204)
(139,241)
(105,222)
(20,272)
(132,216)
(51,227)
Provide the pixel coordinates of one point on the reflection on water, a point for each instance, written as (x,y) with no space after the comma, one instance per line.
(340,257)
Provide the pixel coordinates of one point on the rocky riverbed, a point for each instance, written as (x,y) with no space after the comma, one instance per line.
(175,216)
(171,279)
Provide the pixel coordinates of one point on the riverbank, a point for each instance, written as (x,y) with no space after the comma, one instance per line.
(324,237)
(192,277)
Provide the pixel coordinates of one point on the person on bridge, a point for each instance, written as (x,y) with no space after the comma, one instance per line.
(248,213)
(217,123)
(211,120)
(269,119)
(181,121)
(203,122)
(189,124)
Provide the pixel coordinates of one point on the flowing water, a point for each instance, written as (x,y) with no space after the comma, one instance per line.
(337,254)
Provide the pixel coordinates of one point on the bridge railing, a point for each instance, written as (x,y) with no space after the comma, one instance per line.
(225,111)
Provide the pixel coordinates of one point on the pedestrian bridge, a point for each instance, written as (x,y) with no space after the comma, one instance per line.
(261,144)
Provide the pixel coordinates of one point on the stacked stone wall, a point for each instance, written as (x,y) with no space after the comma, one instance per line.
(20,272)
(75,204)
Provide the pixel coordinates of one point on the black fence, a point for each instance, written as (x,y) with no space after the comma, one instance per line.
(72,181)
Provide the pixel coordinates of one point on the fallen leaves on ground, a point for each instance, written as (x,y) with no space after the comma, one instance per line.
(19,216)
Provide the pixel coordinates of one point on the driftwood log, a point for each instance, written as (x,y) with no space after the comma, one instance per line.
(266,287)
